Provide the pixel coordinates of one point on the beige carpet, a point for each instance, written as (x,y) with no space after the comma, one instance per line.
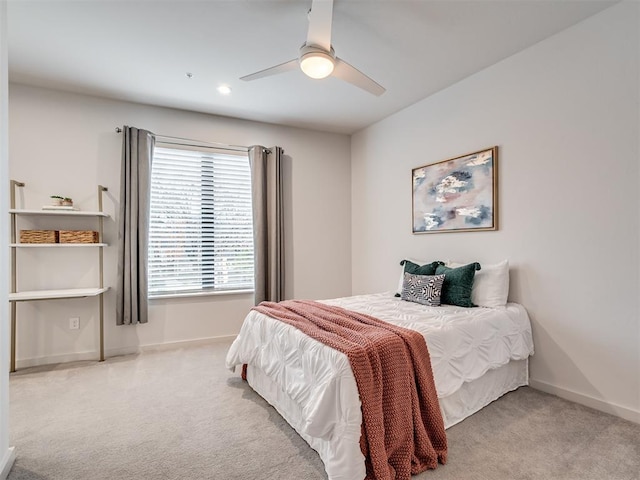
(179,414)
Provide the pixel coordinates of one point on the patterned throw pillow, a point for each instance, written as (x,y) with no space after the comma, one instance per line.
(423,289)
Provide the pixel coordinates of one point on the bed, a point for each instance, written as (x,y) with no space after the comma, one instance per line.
(477,355)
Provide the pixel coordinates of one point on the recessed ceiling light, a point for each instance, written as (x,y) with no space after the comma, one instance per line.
(224,89)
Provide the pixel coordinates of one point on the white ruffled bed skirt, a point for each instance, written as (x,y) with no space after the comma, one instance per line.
(341,453)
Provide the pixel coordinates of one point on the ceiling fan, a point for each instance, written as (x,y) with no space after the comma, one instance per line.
(317,59)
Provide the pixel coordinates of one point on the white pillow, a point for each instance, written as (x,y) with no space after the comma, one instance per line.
(490,284)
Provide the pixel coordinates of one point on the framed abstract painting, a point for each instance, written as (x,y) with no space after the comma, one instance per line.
(457,195)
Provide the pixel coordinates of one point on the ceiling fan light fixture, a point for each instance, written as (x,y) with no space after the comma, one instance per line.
(317,64)
(317,58)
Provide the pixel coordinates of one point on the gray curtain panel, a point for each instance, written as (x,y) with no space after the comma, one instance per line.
(268,223)
(133,226)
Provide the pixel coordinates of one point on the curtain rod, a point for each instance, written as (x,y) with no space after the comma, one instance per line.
(197,143)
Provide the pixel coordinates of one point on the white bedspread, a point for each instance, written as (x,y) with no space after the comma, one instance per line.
(321,394)
(464,343)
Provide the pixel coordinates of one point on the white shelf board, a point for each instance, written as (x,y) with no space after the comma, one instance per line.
(53,294)
(57,245)
(58,213)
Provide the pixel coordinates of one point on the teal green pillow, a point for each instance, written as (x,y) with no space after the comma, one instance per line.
(458,282)
(415,269)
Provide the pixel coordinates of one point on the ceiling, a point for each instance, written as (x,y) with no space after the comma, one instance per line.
(141,50)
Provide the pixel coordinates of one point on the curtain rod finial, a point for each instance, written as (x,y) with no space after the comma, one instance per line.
(118,130)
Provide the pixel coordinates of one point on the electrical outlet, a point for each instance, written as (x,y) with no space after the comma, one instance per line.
(74,323)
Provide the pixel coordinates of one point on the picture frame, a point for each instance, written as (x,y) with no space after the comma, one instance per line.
(459,194)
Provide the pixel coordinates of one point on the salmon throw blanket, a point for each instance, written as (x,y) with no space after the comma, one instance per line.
(402,428)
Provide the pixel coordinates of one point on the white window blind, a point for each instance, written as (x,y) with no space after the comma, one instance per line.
(200,232)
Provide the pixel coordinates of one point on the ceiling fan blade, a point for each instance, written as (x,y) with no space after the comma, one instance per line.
(267,72)
(351,74)
(320,17)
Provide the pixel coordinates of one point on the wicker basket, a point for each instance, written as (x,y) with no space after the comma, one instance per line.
(78,236)
(38,236)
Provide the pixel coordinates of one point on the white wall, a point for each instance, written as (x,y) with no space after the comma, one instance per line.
(564,114)
(66,143)
(7,454)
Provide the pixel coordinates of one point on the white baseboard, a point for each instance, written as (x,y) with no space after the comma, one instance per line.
(51,359)
(114,352)
(603,406)
(7,462)
(158,347)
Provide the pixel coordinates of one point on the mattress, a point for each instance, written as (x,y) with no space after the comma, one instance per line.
(313,388)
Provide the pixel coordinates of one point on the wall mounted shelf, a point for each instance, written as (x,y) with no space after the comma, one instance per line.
(58,213)
(52,294)
(16,297)
(56,245)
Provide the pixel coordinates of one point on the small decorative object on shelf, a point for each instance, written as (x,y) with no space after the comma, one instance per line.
(60,203)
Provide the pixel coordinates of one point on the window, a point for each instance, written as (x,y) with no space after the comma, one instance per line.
(201,231)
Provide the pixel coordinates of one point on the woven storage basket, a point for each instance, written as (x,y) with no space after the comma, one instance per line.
(78,236)
(38,236)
